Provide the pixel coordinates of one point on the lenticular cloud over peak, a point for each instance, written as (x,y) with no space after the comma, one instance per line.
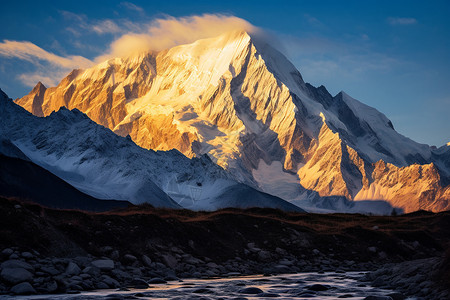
(169,31)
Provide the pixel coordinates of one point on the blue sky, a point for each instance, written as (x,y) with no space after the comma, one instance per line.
(392,55)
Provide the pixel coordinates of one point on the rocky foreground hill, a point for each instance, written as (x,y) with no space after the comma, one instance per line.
(58,251)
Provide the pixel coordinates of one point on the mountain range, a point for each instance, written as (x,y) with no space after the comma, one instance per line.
(227,121)
(104,165)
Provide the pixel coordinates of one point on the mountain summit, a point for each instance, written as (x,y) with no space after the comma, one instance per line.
(239,100)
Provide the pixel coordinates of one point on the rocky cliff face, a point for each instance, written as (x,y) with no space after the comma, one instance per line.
(244,104)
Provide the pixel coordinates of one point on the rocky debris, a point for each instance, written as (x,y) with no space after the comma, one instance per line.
(197,249)
(418,278)
(48,275)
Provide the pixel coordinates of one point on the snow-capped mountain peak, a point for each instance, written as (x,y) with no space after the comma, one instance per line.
(240,101)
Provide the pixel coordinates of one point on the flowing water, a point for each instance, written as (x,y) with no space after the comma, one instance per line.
(328,285)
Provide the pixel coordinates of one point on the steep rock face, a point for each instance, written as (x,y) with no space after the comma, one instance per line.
(400,185)
(244,104)
(34,100)
(334,168)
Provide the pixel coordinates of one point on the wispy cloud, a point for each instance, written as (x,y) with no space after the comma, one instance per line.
(47,78)
(320,59)
(131,6)
(80,24)
(33,53)
(73,16)
(56,67)
(106,26)
(312,20)
(401,21)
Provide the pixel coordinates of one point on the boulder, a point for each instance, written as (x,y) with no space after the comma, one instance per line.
(24,288)
(93,271)
(15,263)
(115,254)
(27,255)
(129,258)
(147,261)
(73,269)
(101,286)
(139,283)
(264,255)
(372,249)
(16,275)
(104,264)
(112,283)
(157,280)
(170,261)
(50,270)
(7,252)
(51,287)
(14,256)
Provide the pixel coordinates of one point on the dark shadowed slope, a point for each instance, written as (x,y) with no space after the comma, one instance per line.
(26,180)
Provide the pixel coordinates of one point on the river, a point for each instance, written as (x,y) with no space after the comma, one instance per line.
(329,285)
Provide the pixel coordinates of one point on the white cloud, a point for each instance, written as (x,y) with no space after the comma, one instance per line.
(106,26)
(55,66)
(401,21)
(169,31)
(32,53)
